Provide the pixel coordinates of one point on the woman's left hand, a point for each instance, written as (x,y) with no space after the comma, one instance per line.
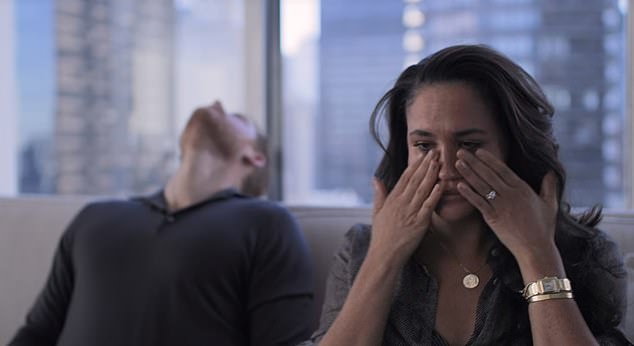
(523,220)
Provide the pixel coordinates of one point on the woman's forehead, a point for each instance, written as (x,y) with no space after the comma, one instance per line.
(446,99)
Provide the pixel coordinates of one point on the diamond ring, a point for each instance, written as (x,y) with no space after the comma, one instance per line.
(491,195)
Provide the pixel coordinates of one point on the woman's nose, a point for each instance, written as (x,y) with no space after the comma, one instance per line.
(448,165)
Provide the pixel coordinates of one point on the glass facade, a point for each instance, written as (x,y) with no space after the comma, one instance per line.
(576,51)
(102,88)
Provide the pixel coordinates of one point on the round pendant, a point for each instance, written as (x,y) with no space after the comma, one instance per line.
(470,281)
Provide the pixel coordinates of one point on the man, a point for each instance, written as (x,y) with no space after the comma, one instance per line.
(199,263)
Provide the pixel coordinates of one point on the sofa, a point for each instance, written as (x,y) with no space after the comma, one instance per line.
(30,228)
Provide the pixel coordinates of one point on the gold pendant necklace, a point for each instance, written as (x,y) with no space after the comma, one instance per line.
(471,279)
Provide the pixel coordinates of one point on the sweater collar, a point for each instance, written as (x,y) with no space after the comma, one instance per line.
(158,202)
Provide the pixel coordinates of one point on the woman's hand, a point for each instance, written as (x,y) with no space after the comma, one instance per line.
(523,220)
(402,217)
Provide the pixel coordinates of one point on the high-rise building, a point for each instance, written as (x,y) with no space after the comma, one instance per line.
(575,51)
(360,57)
(114,123)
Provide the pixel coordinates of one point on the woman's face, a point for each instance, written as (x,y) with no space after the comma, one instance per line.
(447,117)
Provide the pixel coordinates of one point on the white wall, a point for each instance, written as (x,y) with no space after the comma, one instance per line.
(8,102)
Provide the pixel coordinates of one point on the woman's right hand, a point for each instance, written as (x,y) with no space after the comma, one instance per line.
(402,217)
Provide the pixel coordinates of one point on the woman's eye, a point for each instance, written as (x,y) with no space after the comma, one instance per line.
(471,146)
(424,147)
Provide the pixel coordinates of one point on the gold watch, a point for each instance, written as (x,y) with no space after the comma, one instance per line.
(547,285)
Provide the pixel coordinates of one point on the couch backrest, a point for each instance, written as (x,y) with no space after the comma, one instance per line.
(30,229)
(324,229)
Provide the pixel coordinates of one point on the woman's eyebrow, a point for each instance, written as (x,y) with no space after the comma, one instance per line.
(421,133)
(471,131)
(461,133)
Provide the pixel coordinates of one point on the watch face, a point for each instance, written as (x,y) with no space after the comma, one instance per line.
(549,285)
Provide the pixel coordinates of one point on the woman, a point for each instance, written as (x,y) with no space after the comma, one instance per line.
(471,242)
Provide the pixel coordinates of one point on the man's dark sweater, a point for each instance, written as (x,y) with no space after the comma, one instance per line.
(231,270)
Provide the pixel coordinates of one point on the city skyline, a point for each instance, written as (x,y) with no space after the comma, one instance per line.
(357,62)
(329,156)
(105,87)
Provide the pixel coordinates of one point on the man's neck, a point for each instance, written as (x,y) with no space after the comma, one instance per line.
(198,178)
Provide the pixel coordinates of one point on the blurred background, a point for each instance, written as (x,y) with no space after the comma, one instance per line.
(93,93)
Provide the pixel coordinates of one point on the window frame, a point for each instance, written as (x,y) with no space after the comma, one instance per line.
(9,105)
(273,99)
(629,108)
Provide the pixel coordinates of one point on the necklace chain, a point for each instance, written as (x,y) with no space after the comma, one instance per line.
(471,279)
(464,268)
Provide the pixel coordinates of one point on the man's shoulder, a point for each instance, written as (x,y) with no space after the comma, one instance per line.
(96,213)
(260,206)
(107,207)
(108,203)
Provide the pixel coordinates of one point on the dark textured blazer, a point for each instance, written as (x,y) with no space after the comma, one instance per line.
(502,312)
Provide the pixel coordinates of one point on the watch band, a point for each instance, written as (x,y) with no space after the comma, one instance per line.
(548,296)
(547,285)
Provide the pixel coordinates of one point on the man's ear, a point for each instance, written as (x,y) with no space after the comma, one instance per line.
(255,158)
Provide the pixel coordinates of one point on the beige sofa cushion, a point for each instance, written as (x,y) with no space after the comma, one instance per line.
(30,229)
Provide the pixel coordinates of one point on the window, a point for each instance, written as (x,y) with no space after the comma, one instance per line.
(100,89)
(342,56)
(94,92)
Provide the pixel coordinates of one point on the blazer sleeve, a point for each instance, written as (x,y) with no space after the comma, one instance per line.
(610,279)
